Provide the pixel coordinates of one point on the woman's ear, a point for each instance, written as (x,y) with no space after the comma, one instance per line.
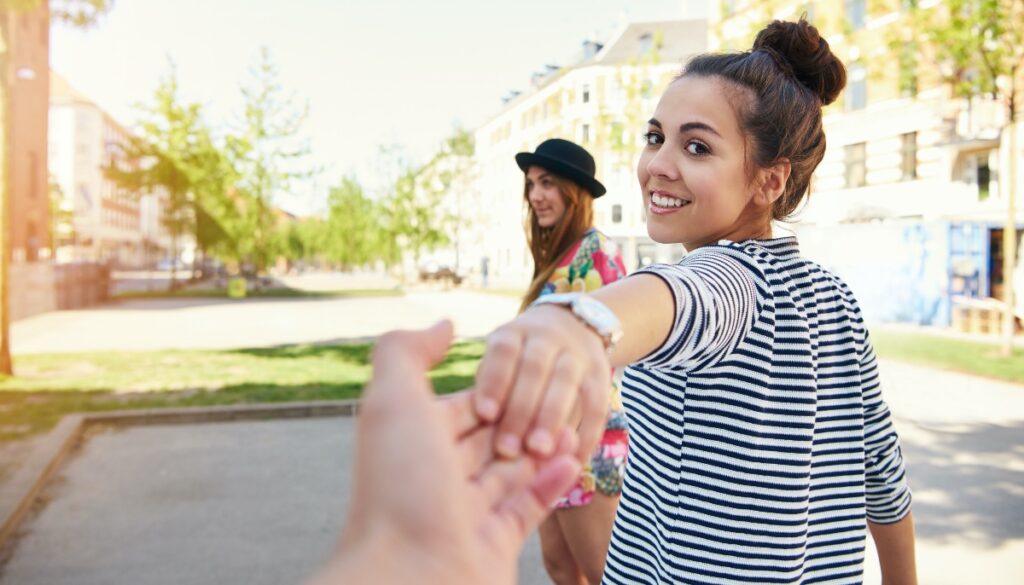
(771,182)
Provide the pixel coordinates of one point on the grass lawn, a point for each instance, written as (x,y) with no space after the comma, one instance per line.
(273,293)
(969,357)
(48,386)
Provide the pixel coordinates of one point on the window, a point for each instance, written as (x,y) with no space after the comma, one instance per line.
(585,133)
(856,11)
(646,43)
(856,171)
(909,156)
(984,178)
(616,213)
(585,95)
(857,89)
(977,172)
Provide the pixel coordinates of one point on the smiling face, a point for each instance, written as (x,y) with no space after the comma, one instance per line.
(696,185)
(545,198)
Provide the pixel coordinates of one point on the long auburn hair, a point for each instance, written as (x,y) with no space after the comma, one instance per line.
(548,245)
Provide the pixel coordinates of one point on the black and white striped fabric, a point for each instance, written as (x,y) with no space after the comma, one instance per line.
(759,441)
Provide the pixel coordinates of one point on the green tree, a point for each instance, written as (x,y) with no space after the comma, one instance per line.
(354,232)
(175,155)
(303,240)
(416,217)
(80,13)
(978,47)
(442,185)
(268,157)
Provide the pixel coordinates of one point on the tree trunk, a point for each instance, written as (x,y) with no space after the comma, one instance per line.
(6,367)
(1010,244)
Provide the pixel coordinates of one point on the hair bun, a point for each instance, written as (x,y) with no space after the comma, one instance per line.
(800,46)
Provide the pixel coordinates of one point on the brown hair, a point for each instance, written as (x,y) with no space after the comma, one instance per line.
(548,245)
(785,79)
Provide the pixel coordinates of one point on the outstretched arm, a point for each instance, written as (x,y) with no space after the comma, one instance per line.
(546,365)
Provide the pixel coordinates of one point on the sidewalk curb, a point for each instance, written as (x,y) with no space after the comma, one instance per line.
(19,495)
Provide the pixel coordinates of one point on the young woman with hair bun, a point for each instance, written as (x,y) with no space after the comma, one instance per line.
(761,450)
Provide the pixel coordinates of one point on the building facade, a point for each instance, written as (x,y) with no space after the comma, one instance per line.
(923,168)
(98,220)
(602,100)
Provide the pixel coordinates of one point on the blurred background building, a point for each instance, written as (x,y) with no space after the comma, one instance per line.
(98,220)
(909,204)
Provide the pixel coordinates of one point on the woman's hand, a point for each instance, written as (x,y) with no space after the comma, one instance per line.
(541,372)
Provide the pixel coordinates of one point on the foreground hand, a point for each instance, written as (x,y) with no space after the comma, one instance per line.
(430,504)
(539,373)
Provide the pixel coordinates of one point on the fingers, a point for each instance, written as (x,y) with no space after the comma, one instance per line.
(476,451)
(531,379)
(494,375)
(504,479)
(521,513)
(593,412)
(556,404)
(459,411)
(567,443)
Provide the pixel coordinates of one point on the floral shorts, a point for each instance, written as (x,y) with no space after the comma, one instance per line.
(606,468)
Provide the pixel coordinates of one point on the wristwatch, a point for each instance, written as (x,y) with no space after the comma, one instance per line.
(592,312)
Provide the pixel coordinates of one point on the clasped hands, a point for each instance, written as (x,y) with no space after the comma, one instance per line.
(455,485)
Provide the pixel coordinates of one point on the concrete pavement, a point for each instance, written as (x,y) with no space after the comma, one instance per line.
(223,323)
(241,502)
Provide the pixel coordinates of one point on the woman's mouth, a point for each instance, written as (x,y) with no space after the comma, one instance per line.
(662,203)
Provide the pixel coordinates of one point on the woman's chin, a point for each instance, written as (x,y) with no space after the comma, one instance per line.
(661,235)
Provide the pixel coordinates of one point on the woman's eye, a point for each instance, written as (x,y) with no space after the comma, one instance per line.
(697,148)
(653,138)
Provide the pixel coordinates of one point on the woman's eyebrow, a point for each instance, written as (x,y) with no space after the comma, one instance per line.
(698,126)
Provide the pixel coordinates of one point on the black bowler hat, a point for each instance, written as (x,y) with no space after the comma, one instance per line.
(564,158)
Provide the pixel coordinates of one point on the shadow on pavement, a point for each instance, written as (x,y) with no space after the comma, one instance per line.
(968,481)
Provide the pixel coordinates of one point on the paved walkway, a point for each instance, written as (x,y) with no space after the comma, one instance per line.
(204,504)
(219,324)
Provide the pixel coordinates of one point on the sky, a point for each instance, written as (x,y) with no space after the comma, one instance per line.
(374,74)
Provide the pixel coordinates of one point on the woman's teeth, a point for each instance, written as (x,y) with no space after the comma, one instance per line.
(661,201)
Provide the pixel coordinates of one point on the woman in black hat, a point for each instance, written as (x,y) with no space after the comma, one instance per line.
(570,255)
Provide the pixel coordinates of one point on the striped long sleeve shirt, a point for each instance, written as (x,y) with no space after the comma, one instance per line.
(759,441)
